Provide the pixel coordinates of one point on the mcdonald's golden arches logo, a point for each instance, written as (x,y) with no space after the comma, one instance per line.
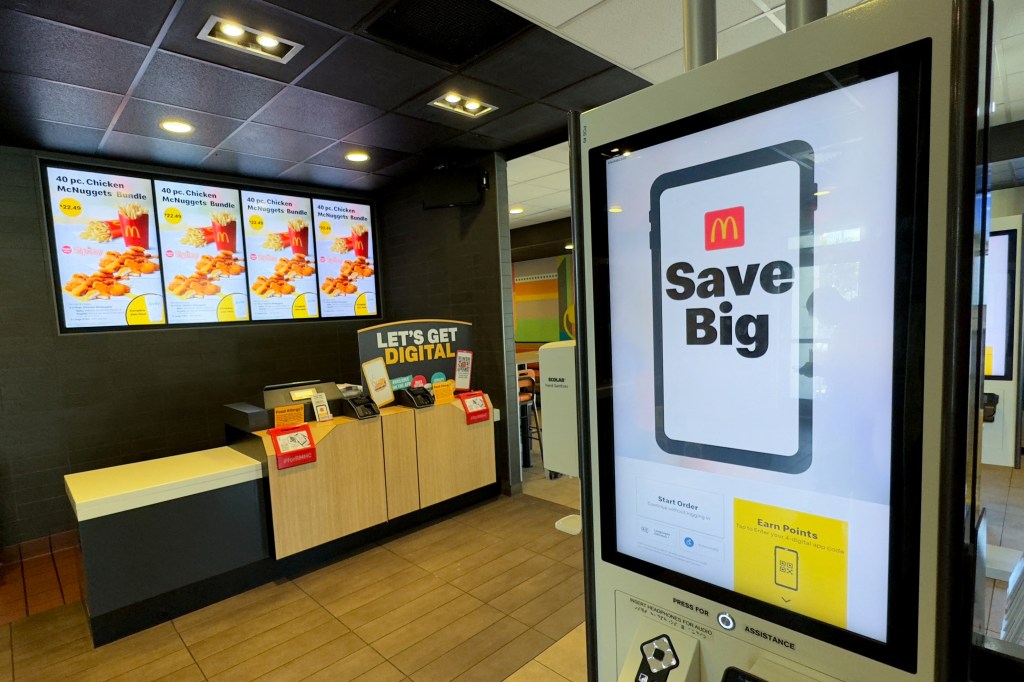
(724,229)
(132,231)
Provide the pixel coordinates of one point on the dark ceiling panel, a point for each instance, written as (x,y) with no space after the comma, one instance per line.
(322,175)
(36,47)
(335,156)
(27,97)
(414,164)
(245,164)
(55,136)
(402,134)
(532,121)
(143,118)
(537,64)
(128,19)
(153,150)
(316,113)
(315,38)
(370,183)
(452,32)
(195,84)
(477,142)
(419,107)
(345,14)
(278,143)
(364,71)
(597,90)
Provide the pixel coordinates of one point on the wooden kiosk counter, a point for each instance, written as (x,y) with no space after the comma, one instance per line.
(371,478)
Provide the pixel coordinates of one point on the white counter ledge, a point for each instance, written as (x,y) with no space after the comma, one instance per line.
(130,486)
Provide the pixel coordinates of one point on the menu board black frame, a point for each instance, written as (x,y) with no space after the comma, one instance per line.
(312,194)
(912,62)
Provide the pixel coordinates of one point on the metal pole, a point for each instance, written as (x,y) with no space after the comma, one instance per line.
(700,33)
(802,12)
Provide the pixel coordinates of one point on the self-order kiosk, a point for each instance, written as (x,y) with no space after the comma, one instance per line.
(775,270)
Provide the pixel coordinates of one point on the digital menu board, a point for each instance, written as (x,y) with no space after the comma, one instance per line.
(756,320)
(203,253)
(281,256)
(1000,290)
(107,267)
(344,244)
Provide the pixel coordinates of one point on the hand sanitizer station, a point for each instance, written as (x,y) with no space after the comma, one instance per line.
(778,370)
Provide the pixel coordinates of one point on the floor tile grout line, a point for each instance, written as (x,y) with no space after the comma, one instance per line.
(188,649)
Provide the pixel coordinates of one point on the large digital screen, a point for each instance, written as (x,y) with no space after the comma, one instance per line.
(106,249)
(202,251)
(760,264)
(1000,287)
(344,242)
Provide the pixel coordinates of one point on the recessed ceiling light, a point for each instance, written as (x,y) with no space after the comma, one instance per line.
(823,192)
(615,150)
(358,157)
(516,211)
(568,247)
(237,36)
(176,127)
(626,153)
(615,209)
(460,104)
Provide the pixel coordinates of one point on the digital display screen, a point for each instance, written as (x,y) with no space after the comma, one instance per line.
(758,327)
(344,242)
(106,249)
(281,256)
(203,254)
(133,250)
(1000,285)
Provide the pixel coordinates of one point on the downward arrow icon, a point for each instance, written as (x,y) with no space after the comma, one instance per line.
(785,600)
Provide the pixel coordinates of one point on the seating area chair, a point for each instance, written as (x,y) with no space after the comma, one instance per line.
(528,405)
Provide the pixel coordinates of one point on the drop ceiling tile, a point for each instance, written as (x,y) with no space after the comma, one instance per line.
(143,118)
(314,37)
(747,35)
(840,5)
(530,122)
(559,200)
(612,25)
(420,107)
(521,192)
(28,97)
(128,19)
(371,183)
(195,84)
(36,47)
(245,164)
(472,141)
(59,137)
(555,181)
(1015,86)
(732,12)
(597,90)
(401,133)
(1012,49)
(364,71)
(313,112)
(527,219)
(547,12)
(321,175)
(527,168)
(413,164)
(344,15)
(537,64)
(277,143)
(335,156)
(660,70)
(1009,19)
(559,153)
(153,150)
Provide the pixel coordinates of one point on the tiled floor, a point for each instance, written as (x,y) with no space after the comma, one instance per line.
(487,594)
(564,490)
(1002,495)
(39,575)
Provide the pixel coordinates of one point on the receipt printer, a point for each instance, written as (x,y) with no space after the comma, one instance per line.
(359,406)
(415,397)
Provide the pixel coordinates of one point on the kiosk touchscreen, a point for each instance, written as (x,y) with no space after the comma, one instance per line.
(764,381)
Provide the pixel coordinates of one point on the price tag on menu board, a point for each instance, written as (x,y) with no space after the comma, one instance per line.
(203,255)
(280,256)
(344,244)
(107,249)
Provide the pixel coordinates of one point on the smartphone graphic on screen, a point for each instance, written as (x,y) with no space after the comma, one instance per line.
(732,245)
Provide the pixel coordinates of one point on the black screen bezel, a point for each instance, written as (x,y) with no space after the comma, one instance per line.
(1011,309)
(153,178)
(913,64)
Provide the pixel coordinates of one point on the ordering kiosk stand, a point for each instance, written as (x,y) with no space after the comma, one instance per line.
(779,362)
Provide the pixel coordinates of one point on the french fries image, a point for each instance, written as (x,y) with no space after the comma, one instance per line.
(196,236)
(275,241)
(102,231)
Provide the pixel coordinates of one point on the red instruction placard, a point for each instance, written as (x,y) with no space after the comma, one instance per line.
(475,404)
(294,446)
